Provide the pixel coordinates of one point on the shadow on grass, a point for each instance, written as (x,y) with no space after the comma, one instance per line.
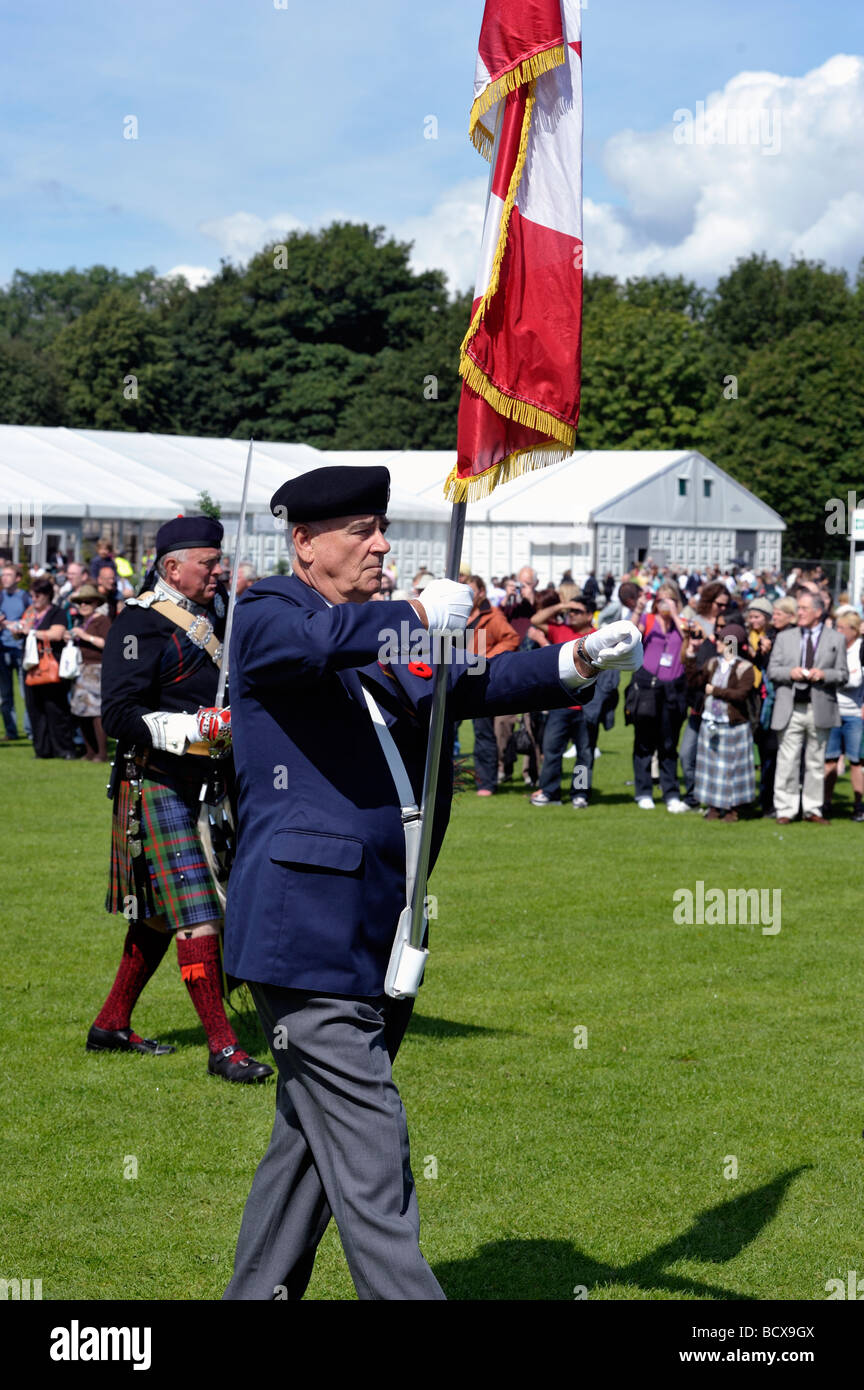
(512,791)
(250,1036)
(245,1025)
(424,1027)
(557,1269)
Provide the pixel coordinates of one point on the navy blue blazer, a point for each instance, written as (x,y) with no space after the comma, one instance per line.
(318,882)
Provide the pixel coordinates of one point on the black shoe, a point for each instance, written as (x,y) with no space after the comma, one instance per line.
(246,1070)
(858,813)
(121,1040)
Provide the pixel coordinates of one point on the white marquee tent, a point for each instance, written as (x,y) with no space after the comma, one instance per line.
(601,510)
(83,484)
(598,510)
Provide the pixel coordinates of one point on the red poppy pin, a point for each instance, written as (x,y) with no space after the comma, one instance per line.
(419,668)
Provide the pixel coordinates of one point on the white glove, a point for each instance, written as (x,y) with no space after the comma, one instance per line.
(172,733)
(448,605)
(615,647)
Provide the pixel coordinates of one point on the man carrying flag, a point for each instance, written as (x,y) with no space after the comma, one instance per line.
(319,881)
(331,733)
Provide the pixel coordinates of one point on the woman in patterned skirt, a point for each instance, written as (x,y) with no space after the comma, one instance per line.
(725,775)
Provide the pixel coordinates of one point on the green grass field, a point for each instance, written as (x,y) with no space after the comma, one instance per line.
(543,1168)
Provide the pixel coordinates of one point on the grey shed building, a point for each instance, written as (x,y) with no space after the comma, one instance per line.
(603,510)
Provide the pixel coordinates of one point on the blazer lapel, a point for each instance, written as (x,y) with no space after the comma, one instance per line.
(384,689)
(820,648)
(388,692)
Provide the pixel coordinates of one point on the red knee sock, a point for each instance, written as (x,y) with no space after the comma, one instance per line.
(201,970)
(143,949)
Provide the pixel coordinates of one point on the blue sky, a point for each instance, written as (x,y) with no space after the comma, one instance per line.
(252,118)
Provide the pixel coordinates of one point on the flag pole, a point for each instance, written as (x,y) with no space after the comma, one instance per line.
(232,596)
(439,696)
(215,823)
(436,729)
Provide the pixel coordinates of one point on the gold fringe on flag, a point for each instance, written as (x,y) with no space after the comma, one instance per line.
(506,212)
(526,71)
(562,435)
(479,485)
(483,140)
(523,412)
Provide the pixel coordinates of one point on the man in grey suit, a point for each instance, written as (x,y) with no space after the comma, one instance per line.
(808,664)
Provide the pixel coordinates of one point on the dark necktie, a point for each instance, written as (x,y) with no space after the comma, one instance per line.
(808,650)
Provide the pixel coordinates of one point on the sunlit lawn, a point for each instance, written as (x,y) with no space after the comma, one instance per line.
(705,1143)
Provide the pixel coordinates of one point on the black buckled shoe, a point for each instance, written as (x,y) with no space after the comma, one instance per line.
(121,1040)
(245,1069)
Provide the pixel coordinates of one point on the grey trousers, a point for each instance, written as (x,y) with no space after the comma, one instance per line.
(339,1147)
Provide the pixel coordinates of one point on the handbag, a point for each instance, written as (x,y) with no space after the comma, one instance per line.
(47,672)
(522,739)
(640,701)
(31,652)
(71,662)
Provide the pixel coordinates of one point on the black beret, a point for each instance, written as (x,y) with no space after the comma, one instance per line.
(341,490)
(189,533)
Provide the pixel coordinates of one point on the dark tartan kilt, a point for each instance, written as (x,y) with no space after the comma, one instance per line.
(725,776)
(178,882)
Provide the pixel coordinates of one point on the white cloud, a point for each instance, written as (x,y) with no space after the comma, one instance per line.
(448,236)
(194,275)
(770,164)
(241,234)
(838,235)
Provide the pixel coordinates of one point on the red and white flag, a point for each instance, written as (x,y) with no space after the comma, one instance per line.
(521,357)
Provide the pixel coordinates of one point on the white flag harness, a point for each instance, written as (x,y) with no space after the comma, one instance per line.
(407,962)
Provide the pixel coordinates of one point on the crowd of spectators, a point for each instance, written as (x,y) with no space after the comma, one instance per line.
(71,606)
(52,634)
(721,691)
(740,669)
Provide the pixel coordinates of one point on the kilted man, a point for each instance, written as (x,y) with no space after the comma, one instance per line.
(330,720)
(159,675)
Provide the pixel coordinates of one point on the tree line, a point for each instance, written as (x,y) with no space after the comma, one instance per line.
(331,339)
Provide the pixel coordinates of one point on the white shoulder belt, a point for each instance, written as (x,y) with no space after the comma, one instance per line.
(407,963)
(411,814)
